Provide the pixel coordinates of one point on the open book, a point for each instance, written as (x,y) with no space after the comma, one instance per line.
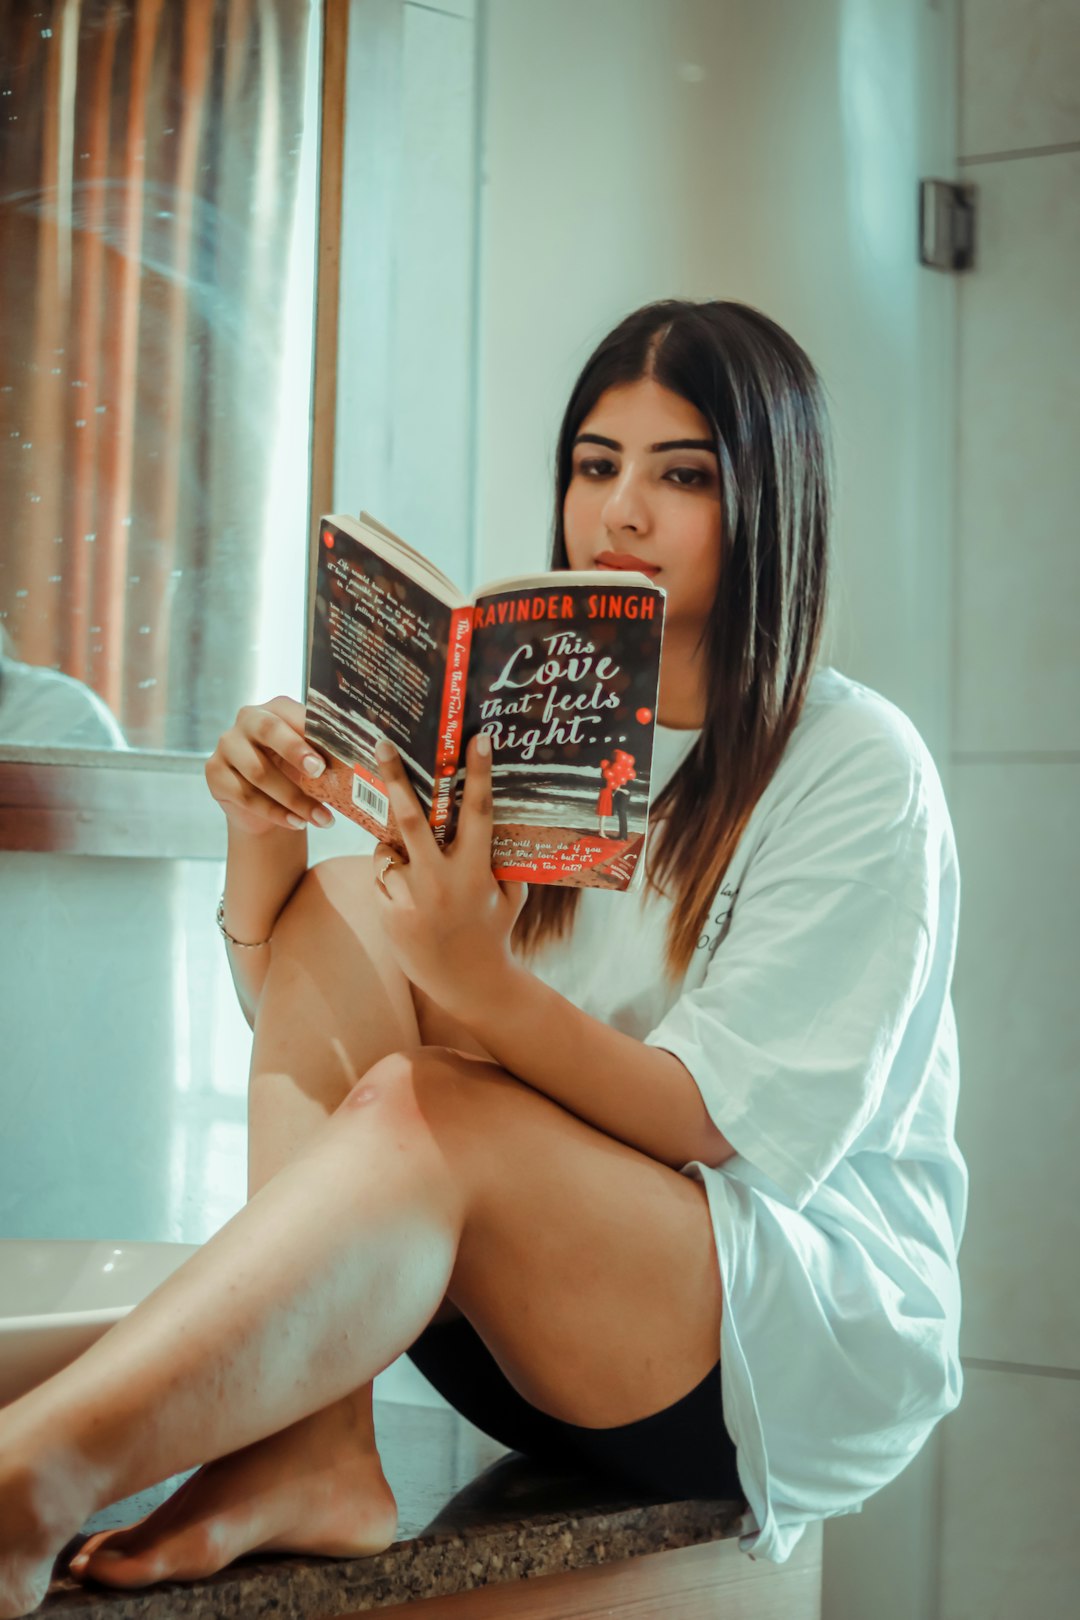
(560,669)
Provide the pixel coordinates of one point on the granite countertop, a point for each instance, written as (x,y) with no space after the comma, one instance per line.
(471,1513)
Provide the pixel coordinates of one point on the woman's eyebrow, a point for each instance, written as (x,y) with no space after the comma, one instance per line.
(665,444)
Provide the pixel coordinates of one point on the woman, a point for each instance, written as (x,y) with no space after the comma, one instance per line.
(701,1234)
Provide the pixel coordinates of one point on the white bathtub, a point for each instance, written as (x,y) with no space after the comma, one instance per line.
(57,1297)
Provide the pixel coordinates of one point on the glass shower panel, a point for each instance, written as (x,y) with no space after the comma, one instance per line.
(158,173)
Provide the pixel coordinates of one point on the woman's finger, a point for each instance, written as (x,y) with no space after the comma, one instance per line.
(473,836)
(270,730)
(416,833)
(516,892)
(259,784)
(386,853)
(289,709)
(238,791)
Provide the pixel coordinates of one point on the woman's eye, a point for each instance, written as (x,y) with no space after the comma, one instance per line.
(683,477)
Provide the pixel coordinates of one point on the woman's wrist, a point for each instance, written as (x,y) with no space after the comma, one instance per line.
(241,944)
(262,871)
(486,993)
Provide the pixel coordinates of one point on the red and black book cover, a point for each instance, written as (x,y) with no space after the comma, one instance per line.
(564,680)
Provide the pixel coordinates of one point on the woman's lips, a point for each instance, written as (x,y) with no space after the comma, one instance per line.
(620,563)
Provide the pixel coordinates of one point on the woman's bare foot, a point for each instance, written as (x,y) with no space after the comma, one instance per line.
(41,1507)
(24,1580)
(26,1556)
(316,1487)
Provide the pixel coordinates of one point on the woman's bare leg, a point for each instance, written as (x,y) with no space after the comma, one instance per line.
(328,1273)
(588,1269)
(334,1003)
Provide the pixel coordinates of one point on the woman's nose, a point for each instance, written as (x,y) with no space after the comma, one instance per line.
(625,507)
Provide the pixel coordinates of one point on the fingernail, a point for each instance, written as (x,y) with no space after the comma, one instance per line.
(322,817)
(314,765)
(295,821)
(483,744)
(80,1561)
(384,751)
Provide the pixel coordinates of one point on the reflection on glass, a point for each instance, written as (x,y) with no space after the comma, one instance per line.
(156,167)
(46,708)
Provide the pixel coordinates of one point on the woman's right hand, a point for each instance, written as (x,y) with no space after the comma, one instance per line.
(245,778)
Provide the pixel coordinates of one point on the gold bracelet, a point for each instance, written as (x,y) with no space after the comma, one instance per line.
(244,944)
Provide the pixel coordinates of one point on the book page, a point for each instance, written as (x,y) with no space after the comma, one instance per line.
(600,578)
(407,557)
(564,680)
(377,660)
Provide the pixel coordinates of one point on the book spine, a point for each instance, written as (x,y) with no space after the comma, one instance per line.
(451,721)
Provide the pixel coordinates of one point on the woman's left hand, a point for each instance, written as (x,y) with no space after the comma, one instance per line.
(447,918)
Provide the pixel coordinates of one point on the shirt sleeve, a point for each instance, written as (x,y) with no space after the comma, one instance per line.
(43,707)
(792,1034)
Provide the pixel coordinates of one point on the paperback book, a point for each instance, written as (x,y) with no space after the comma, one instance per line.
(560,669)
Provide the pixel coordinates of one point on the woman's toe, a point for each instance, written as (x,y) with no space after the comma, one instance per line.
(156,1548)
(124,1559)
(117,1558)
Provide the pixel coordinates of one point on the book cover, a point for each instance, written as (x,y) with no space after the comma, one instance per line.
(565,681)
(379,655)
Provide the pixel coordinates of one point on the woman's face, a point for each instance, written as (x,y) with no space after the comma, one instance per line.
(645,483)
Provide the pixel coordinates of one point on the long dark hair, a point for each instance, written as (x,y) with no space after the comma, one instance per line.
(765,406)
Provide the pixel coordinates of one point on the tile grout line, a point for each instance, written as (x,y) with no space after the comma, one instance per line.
(440,11)
(981,1364)
(1018,152)
(1006,756)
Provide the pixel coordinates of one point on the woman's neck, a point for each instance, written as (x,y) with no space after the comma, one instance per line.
(680,703)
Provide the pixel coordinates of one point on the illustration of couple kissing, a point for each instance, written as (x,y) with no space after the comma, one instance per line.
(614,797)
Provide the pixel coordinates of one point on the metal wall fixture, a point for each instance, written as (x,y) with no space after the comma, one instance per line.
(946,225)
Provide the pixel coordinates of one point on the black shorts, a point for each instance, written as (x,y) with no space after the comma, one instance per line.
(682,1453)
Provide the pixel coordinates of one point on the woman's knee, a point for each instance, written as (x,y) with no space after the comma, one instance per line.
(442,1091)
(402,1080)
(341,883)
(411,1098)
(338,878)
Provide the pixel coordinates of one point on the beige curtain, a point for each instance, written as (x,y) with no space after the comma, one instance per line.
(149,152)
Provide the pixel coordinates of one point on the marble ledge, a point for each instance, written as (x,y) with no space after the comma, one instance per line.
(470,1514)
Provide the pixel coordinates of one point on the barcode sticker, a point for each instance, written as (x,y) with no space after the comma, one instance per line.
(370,799)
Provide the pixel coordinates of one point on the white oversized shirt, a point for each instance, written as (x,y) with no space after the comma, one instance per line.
(817,1022)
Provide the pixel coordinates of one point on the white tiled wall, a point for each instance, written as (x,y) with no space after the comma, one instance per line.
(1018,561)
(1018,75)
(1016,1000)
(125,1055)
(1009,1493)
(406,334)
(1009,1542)
(750,149)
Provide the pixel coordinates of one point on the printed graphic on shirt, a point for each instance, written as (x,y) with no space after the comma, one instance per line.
(718,924)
